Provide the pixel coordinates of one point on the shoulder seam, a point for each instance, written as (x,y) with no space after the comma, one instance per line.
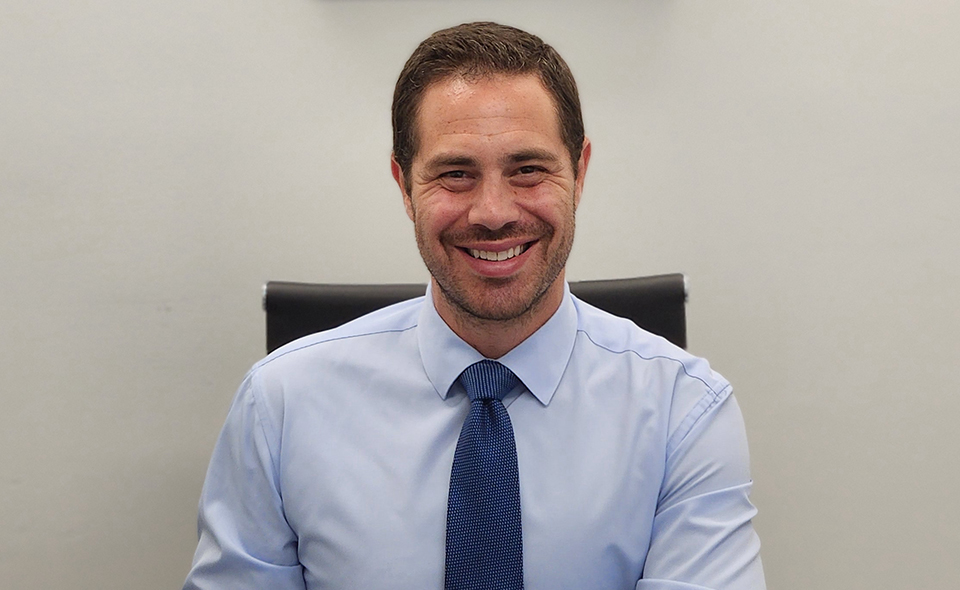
(690,421)
(653,357)
(269,359)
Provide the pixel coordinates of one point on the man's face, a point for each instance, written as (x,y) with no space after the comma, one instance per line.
(493,195)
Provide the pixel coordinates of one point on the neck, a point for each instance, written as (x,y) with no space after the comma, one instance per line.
(495,338)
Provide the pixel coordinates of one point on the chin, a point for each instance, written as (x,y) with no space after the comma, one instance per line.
(499,305)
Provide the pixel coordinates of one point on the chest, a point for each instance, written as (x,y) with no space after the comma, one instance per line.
(364,484)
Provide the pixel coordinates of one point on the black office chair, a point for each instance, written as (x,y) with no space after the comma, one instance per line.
(654,303)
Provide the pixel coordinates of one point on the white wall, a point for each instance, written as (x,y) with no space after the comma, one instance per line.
(160,160)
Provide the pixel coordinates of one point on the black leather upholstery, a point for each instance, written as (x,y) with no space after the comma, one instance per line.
(654,303)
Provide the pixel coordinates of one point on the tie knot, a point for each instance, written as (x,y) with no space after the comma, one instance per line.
(488,380)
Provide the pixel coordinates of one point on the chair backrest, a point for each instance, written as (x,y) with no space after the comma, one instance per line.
(655,303)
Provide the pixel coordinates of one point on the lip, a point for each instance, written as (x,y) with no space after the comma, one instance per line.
(497,268)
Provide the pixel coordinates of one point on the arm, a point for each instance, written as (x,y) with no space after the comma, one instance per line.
(702,533)
(245,540)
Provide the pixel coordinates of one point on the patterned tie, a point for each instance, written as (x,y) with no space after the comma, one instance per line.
(484,545)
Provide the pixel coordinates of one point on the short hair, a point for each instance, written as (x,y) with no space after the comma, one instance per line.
(474,51)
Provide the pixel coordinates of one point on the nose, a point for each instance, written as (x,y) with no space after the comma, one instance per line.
(494,205)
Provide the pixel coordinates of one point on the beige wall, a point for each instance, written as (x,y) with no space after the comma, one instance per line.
(159,160)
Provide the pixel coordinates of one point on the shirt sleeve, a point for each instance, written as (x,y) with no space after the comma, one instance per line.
(703,536)
(245,540)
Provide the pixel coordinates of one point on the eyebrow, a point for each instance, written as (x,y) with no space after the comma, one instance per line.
(451,160)
(531,154)
(445,160)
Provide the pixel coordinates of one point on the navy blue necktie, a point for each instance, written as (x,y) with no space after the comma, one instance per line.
(484,544)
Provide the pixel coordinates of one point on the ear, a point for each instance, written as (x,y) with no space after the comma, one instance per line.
(397,173)
(581,170)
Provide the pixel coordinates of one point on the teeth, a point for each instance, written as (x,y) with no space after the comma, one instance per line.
(498,256)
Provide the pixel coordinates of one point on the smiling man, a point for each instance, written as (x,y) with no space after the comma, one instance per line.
(496,433)
(492,192)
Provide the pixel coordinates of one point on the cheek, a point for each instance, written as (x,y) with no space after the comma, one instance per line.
(556,210)
(436,215)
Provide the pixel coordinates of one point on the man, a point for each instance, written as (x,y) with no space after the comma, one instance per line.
(379,455)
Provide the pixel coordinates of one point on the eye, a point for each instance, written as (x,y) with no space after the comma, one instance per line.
(456,180)
(529,175)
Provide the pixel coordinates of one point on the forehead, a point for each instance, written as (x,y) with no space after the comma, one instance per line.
(489,107)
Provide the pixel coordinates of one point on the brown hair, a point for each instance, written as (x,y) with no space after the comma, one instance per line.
(477,50)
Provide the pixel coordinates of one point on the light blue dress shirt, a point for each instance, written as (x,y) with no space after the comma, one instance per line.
(333,467)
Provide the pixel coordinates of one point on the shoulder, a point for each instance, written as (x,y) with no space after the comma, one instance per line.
(684,386)
(369,335)
(322,370)
(619,337)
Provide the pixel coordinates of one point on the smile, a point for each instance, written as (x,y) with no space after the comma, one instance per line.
(498,256)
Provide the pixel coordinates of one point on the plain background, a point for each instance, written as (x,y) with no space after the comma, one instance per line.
(160,160)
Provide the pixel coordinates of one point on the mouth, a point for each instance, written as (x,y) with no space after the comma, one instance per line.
(498,256)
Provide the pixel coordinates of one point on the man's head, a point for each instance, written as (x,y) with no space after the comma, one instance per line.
(490,177)
(473,51)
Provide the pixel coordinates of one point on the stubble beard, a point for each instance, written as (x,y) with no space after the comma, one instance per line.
(497,299)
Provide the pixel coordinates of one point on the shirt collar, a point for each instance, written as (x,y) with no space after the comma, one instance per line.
(539,361)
